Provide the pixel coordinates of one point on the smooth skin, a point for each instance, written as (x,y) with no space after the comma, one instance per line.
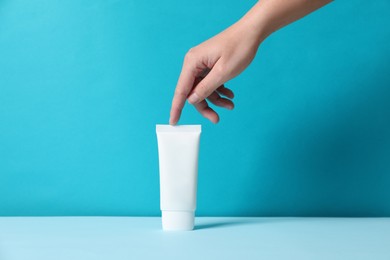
(208,66)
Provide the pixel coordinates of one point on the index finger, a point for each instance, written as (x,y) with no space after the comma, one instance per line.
(183,88)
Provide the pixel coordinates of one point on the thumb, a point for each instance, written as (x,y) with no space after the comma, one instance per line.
(208,85)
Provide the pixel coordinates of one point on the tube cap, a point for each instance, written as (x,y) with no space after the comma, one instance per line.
(178,220)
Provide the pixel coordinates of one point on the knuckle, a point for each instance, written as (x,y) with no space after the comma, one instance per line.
(180,93)
(190,55)
(203,90)
(221,70)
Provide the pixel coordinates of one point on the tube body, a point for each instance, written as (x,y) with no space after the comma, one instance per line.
(178,149)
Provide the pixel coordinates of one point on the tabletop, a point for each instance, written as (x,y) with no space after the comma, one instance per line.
(213,238)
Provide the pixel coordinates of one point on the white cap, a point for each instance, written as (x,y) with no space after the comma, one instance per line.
(178,220)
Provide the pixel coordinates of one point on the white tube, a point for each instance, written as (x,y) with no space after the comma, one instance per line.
(178,149)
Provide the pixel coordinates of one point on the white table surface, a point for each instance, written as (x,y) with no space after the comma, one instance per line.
(74,238)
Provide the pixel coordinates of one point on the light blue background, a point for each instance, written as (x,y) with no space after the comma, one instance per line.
(123,238)
(83,83)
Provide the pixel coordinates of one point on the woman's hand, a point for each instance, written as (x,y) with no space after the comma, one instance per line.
(208,66)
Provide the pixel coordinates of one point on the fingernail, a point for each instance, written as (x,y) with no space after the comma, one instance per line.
(194,98)
(171,122)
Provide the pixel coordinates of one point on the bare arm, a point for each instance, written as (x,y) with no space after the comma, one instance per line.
(209,65)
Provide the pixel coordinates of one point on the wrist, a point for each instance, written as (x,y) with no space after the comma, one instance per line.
(256,23)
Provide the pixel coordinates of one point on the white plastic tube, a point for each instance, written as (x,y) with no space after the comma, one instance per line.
(178,149)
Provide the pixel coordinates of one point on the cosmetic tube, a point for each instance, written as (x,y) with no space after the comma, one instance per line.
(178,149)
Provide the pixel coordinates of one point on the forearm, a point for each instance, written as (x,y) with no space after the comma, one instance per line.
(268,16)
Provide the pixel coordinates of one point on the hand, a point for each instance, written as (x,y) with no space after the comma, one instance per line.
(208,66)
